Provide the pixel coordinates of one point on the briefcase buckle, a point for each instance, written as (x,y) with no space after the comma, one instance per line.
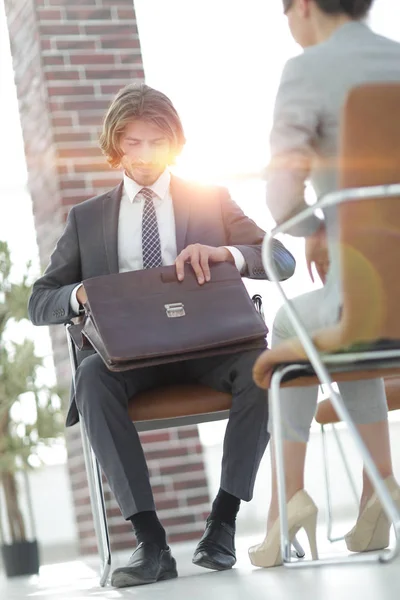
(174,310)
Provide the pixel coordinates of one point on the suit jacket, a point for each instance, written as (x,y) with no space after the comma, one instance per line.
(305,133)
(88,246)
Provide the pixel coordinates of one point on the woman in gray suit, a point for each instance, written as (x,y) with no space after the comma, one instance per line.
(340,52)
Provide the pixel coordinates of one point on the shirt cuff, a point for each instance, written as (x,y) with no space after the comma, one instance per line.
(238,257)
(73,302)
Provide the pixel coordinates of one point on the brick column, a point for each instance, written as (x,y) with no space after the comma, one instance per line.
(70,57)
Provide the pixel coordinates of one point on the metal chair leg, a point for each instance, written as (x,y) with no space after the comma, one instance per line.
(98,506)
(298,548)
(383,494)
(96,493)
(280,467)
(346,465)
(325,378)
(328,504)
(257,301)
(328,497)
(347,469)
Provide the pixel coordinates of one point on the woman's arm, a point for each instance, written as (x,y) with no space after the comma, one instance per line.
(295,125)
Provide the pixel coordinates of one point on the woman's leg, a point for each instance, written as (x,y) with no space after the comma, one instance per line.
(297,406)
(366,403)
(294,455)
(375,436)
(376,439)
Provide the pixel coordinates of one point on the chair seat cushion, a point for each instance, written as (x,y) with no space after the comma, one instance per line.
(177,401)
(350,366)
(304,378)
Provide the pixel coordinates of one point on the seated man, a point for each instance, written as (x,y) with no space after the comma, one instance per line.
(151,219)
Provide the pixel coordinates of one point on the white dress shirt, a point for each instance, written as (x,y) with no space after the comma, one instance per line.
(130,228)
(130,223)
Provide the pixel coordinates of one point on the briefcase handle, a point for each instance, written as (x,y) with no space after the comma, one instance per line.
(169,276)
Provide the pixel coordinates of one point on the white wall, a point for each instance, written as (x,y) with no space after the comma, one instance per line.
(385,18)
(53,510)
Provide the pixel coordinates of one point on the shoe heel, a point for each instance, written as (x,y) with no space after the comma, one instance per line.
(310,527)
(301,513)
(372,529)
(168,575)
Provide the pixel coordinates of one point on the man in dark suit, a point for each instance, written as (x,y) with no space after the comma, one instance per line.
(151,219)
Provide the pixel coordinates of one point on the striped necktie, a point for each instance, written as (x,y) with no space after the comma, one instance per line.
(151,247)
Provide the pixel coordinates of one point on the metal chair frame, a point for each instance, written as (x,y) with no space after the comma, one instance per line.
(323,366)
(350,478)
(328,494)
(93,469)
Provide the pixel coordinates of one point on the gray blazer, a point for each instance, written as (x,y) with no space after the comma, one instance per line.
(304,138)
(88,246)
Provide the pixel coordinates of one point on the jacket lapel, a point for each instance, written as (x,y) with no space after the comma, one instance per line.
(111,204)
(180,199)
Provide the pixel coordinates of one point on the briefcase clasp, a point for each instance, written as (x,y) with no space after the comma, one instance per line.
(174,310)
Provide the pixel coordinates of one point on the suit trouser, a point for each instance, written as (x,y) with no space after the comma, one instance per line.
(365,399)
(102,398)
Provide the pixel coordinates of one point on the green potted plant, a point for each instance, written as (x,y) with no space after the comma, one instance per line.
(30,416)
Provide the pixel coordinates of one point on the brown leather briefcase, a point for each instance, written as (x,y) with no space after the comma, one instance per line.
(148,317)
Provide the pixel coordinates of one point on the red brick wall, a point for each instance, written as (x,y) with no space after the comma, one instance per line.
(70,57)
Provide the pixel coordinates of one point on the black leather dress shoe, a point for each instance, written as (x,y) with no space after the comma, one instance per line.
(149,563)
(216,549)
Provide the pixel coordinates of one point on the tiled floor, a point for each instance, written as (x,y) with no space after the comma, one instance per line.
(78,580)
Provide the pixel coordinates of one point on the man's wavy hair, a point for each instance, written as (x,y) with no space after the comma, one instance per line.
(135,102)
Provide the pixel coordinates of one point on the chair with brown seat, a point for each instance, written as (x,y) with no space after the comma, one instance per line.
(365,343)
(154,409)
(326,415)
(159,408)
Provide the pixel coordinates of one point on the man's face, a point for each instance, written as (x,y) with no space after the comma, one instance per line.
(146,152)
(298,15)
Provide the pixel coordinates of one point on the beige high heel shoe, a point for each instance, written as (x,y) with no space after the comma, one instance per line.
(372,529)
(301,512)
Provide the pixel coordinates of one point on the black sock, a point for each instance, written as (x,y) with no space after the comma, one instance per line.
(148,528)
(225,507)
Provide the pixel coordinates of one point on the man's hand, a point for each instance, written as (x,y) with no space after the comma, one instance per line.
(81,295)
(316,250)
(200,257)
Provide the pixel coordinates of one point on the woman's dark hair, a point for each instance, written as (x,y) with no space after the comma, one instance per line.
(356,9)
